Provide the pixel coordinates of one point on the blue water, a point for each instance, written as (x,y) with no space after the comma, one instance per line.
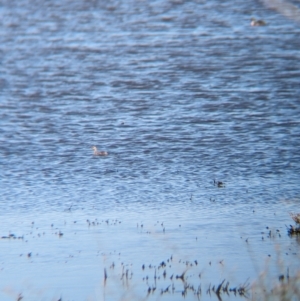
(179,93)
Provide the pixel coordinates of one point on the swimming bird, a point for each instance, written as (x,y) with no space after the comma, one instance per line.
(255,22)
(99,153)
(219,183)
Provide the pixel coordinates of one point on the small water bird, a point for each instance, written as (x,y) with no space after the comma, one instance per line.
(99,153)
(255,22)
(219,183)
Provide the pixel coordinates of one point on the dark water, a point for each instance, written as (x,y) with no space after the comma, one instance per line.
(179,93)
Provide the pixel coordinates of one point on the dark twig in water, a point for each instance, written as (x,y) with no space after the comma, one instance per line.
(20,297)
(105,276)
(198,293)
(243,289)
(219,288)
(208,290)
(225,288)
(181,277)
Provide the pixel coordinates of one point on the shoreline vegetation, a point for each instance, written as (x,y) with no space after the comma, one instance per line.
(294,230)
(164,282)
(286,287)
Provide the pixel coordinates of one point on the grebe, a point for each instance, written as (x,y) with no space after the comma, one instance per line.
(99,153)
(219,183)
(255,22)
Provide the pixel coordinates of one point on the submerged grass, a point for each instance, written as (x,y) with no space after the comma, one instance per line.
(286,289)
(181,279)
(265,288)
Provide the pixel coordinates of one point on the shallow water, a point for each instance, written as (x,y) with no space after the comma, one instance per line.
(179,93)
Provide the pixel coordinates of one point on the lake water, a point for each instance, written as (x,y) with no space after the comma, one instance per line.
(179,93)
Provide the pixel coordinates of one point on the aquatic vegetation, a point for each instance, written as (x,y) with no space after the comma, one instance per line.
(287,288)
(179,276)
(20,297)
(296,217)
(294,230)
(162,280)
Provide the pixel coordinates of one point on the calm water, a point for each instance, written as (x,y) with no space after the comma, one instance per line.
(179,93)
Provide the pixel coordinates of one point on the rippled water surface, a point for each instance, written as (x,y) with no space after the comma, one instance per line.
(179,93)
